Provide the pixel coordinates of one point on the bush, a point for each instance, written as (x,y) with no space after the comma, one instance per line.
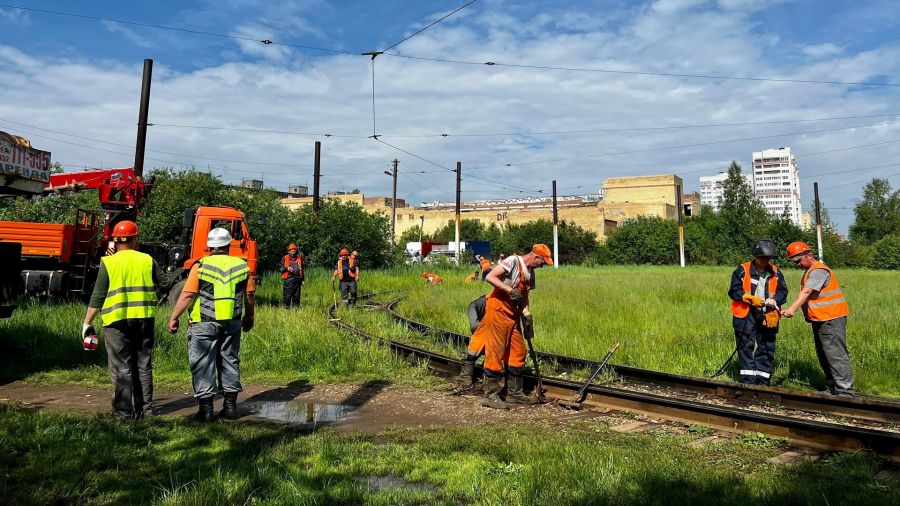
(886,253)
(645,240)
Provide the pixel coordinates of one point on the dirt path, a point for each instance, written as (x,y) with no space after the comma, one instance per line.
(367,407)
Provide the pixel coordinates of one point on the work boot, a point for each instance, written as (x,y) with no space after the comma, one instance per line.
(514,393)
(229,406)
(464,380)
(205,414)
(492,394)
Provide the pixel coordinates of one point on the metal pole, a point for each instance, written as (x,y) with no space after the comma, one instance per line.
(421,228)
(818,222)
(458,216)
(555,230)
(141,143)
(394,204)
(680,204)
(317,168)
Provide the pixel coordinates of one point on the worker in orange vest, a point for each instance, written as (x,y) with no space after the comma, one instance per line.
(292,276)
(500,332)
(757,292)
(485,264)
(824,307)
(432,279)
(347,271)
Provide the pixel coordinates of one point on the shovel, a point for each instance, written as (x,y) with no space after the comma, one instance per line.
(528,333)
(576,402)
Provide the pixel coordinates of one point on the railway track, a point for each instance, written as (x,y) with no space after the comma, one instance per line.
(816,434)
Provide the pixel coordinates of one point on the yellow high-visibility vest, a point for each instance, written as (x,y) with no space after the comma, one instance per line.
(131,293)
(222,286)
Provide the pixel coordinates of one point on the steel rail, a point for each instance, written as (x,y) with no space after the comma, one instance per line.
(867,408)
(797,430)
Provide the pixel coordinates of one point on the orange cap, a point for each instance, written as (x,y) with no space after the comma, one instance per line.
(543,251)
(292,247)
(344,252)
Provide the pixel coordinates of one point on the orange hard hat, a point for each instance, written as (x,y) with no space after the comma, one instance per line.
(798,248)
(344,252)
(125,228)
(292,247)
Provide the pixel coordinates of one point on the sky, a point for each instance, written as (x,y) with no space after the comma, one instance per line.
(222,101)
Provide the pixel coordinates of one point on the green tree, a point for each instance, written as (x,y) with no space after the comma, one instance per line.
(161,217)
(48,209)
(701,243)
(343,225)
(743,217)
(877,215)
(886,254)
(645,240)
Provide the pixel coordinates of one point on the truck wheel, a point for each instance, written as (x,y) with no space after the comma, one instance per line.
(172,295)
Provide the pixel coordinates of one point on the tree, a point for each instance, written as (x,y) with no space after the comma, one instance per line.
(161,217)
(887,253)
(743,218)
(877,215)
(645,240)
(48,209)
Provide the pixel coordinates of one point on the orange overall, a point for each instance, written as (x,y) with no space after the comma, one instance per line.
(499,333)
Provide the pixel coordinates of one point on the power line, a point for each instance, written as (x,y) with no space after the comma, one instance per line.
(257,130)
(641,73)
(266,42)
(427,27)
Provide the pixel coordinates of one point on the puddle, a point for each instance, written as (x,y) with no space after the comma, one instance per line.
(395,483)
(307,414)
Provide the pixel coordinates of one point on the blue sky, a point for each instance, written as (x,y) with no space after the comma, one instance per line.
(68,77)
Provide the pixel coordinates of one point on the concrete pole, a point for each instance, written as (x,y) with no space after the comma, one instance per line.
(555,230)
(458,202)
(818,222)
(680,205)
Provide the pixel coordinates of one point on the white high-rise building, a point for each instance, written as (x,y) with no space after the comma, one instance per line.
(776,183)
(712,189)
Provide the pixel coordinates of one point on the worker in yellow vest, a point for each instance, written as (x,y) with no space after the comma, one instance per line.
(218,290)
(824,307)
(125,297)
(757,292)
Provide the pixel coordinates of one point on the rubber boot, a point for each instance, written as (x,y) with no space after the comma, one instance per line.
(492,394)
(229,406)
(205,414)
(514,393)
(464,380)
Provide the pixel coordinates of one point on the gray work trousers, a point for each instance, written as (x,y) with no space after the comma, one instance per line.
(831,349)
(348,291)
(129,347)
(213,349)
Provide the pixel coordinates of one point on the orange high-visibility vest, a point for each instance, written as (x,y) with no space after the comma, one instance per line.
(485,264)
(741,309)
(287,263)
(351,267)
(829,302)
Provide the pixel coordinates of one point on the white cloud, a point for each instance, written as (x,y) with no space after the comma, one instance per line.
(16,16)
(128,33)
(277,90)
(821,50)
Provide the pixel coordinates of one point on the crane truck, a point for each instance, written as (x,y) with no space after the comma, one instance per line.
(63,259)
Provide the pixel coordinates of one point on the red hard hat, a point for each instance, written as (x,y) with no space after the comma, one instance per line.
(125,228)
(344,252)
(798,248)
(292,247)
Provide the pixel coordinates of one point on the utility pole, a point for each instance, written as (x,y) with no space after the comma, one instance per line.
(394,201)
(680,205)
(555,230)
(458,216)
(818,222)
(421,228)
(317,168)
(144,111)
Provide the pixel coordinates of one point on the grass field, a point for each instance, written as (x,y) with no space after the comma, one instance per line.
(53,458)
(678,320)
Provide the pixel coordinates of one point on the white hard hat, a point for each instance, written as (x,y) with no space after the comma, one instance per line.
(218,237)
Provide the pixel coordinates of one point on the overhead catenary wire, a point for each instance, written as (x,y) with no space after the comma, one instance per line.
(401,41)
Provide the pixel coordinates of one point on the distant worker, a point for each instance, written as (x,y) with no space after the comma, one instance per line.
(432,279)
(824,307)
(125,297)
(485,264)
(471,278)
(757,292)
(292,276)
(218,290)
(500,331)
(347,271)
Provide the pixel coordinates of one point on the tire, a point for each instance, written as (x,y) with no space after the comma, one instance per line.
(172,295)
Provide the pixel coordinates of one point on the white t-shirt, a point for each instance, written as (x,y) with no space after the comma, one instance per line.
(513,266)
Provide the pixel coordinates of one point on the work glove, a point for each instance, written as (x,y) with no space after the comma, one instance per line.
(516,295)
(771,318)
(753,300)
(89,337)
(528,326)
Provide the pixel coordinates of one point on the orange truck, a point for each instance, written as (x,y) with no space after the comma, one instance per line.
(63,259)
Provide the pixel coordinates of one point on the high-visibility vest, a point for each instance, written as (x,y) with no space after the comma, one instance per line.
(131,293)
(485,264)
(287,263)
(740,308)
(351,267)
(222,286)
(829,302)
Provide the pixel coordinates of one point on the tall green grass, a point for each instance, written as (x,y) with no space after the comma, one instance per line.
(678,320)
(53,458)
